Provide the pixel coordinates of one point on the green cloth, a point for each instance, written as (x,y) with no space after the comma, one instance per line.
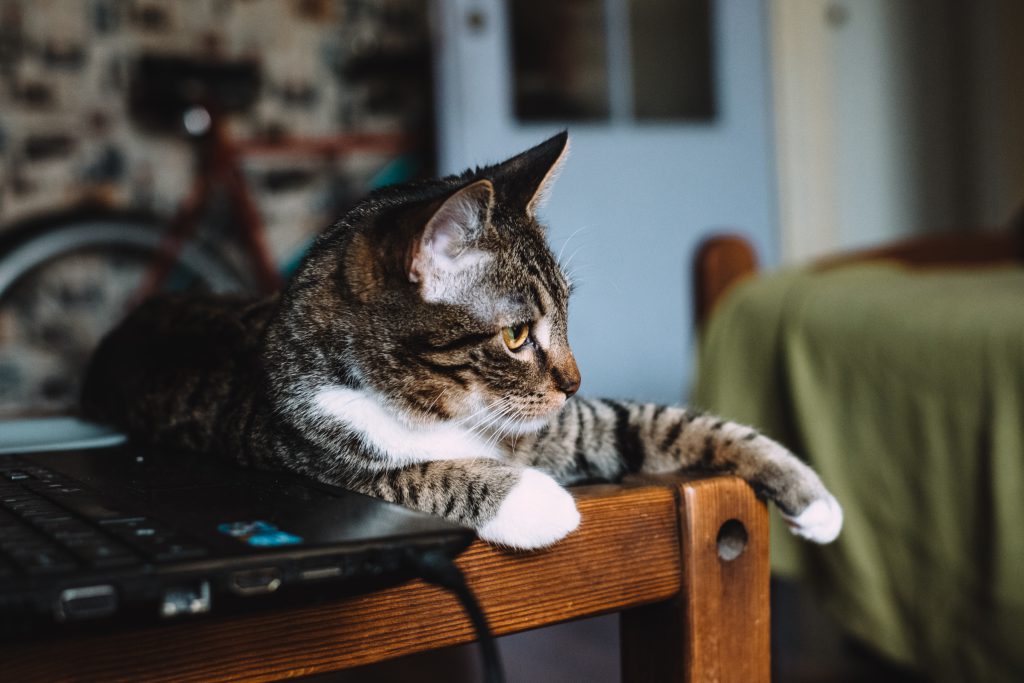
(905,390)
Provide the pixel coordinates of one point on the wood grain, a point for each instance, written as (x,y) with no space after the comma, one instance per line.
(727,625)
(717,629)
(626,553)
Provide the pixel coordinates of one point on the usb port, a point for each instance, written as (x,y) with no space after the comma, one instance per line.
(87,602)
(182,599)
(255,581)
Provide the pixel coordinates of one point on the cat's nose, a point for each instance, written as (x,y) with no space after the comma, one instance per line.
(566,376)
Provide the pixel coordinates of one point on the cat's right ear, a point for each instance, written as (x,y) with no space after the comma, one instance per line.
(447,247)
(526,179)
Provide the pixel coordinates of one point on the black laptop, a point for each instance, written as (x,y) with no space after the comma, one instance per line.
(128,535)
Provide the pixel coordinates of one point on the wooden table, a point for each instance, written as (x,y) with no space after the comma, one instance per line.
(649,549)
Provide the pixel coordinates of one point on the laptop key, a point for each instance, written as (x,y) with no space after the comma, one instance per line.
(176,550)
(7,499)
(138,528)
(30,504)
(67,526)
(100,552)
(154,540)
(56,505)
(45,520)
(17,534)
(94,508)
(54,488)
(42,561)
(118,522)
(29,510)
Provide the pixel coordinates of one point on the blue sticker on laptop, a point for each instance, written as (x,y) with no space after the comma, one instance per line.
(259,534)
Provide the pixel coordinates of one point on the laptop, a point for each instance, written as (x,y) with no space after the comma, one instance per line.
(115,534)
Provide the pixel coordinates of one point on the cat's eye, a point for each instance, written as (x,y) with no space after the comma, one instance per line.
(515,336)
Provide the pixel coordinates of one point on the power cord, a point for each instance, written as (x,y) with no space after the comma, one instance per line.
(441,571)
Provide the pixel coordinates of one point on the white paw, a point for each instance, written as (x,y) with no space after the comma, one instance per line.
(535,513)
(819,522)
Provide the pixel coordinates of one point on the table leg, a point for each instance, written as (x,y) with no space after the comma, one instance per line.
(717,629)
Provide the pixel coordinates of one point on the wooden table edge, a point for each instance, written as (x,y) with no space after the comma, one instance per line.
(626,553)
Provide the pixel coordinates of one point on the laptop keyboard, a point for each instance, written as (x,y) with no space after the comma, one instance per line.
(50,523)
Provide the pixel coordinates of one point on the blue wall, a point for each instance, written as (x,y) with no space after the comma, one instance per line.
(641,196)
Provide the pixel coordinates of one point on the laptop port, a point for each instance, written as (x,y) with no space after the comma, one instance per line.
(86,602)
(191,598)
(327,571)
(255,581)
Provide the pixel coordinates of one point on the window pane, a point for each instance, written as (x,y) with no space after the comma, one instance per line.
(671,47)
(560,59)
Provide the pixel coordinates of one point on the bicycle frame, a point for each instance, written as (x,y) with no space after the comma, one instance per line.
(220,163)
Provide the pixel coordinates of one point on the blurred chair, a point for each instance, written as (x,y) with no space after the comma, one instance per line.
(898,372)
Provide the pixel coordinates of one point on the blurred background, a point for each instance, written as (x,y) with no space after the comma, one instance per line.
(229,132)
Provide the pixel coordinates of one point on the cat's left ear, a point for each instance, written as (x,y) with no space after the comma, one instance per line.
(526,178)
(448,245)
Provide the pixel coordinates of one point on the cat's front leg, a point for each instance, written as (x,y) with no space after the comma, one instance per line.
(507,504)
(604,439)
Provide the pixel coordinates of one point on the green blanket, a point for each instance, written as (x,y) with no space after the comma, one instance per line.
(905,390)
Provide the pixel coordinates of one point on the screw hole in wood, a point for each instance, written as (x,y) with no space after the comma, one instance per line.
(732,540)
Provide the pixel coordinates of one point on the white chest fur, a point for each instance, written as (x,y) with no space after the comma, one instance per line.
(400,442)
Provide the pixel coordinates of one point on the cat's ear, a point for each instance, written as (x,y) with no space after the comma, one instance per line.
(526,178)
(447,245)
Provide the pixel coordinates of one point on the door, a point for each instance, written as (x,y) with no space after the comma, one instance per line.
(670,142)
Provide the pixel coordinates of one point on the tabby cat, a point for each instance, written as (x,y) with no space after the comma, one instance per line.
(419,354)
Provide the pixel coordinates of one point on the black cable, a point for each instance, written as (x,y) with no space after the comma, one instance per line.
(439,570)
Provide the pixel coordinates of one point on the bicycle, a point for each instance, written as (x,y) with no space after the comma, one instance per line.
(45,263)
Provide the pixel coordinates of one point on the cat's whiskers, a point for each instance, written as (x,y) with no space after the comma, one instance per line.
(475,427)
(503,422)
(495,415)
(480,430)
(437,398)
(566,242)
(565,266)
(485,408)
(515,441)
(514,432)
(507,428)
(510,417)
(580,268)
(574,282)
(495,434)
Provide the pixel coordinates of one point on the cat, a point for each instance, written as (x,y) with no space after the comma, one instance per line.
(419,354)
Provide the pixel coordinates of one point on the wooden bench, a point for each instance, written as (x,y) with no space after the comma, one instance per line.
(652,549)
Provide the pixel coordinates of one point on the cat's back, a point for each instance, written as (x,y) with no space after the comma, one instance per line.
(178,368)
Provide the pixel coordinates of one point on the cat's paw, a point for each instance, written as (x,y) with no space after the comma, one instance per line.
(535,513)
(819,522)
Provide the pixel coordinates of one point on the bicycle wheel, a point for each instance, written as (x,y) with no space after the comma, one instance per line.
(64,285)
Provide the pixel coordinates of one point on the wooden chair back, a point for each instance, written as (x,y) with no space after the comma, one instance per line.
(723,260)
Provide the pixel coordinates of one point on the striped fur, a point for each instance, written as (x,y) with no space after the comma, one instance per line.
(381,367)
